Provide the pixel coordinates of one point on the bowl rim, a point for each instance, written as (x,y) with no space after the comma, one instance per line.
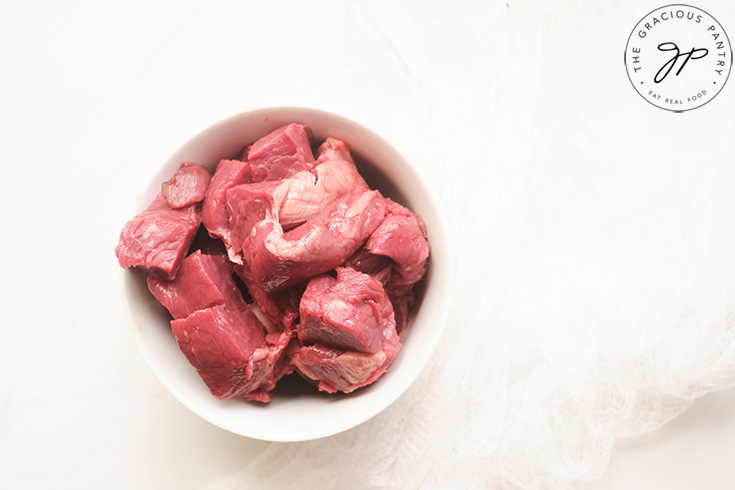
(446,274)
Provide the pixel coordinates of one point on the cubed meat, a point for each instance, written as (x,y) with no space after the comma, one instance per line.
(343,313)
(203,281)
(158,238)
(402,237)
(215,219)
(301,197)
(281,307)
(282,153)
(334,150)
(329,263)
(235,352)
(275,260)
(188,186)
(349,338)
(338,370)
(229,349)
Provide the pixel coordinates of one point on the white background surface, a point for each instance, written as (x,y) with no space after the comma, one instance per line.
(93,96)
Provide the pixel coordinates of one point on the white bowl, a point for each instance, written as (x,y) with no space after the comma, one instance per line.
(298,412)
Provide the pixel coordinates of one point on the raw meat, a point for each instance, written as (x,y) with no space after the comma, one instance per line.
(187,186)
(397,252)
(229,348)
(348,331)
(334,150)
(337,370)
(158,238)
(282,153)
(378,266)
(301,197)
(402,237)
(330,265)
(344,313)
(274,260)
(203,281)
(281,307)
(215,219)
(235,353)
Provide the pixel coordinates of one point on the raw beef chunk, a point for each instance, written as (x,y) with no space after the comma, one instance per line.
(229,348)
(333,150)
(351,322)
(281,307)
(344,313)
(187,186)
(228,174)
(338,370)
(158,238)
(402,237)
(282,153)
(203,281)
(235,353)
(301,197)
(397,252)
(274,260)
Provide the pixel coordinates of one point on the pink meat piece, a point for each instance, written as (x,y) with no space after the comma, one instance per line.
(232,352)
(203,281)
(280,308)
(215,219)
(402,237)
(337,369)
(302,196)
(243,156)
(158,238)
(274,260)
(187,186)
(282,153)
(343,313)
(235,352)
(248,207)
(334,150)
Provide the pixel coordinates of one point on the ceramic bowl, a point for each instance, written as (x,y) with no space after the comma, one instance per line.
(298,411)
